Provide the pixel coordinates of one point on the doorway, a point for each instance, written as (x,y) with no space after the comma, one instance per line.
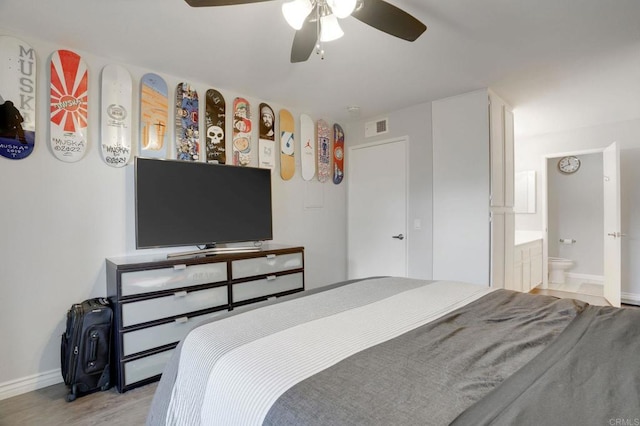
(377,209)
(581,219)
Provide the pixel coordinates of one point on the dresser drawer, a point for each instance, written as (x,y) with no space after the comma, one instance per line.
(143,368)
(267,286)
(265,265)
(163,334)
(173,305)
(138,282)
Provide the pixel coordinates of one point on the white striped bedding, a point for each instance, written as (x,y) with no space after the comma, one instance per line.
(231,371)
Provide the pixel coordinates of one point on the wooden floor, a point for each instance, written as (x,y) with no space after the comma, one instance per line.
(48,407)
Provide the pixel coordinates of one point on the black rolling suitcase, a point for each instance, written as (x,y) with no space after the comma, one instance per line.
(85,349)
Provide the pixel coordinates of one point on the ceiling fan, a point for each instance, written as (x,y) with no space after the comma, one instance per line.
(315,20)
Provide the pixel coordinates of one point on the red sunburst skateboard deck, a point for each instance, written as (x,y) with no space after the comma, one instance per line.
(267,138)
(115,114)
(69,105)
(338,153)
(154,115)
(17,98)
(241,132)
(307,147)
(187,127)
(287,147)
(215,122)
(324,151)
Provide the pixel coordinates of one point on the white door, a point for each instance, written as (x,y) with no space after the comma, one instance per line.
(612,231)
(377,209)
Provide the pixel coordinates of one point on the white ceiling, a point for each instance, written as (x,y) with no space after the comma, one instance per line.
(561,63)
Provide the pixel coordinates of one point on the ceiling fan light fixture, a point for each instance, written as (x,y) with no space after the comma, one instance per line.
(296,11)
(342,8)
(329,28)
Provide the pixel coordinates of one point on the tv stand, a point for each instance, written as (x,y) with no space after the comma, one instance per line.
(156,300)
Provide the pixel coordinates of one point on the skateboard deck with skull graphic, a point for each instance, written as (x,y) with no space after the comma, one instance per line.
(287,148)
(338,153)
(307,147)
(68,105)
(154,116)
(266,140)
(115,115)
(187,127)
(17,98)
(241,132)
(215,122)
(324,150)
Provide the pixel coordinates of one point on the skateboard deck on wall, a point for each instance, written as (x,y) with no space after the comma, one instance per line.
(154,115)
(69,105)
(324,151)
(17,98)
(187,127)
(338,153)
(267,138)
(287,147)
(241,132)
(115,115)
(307,147)
(215,123)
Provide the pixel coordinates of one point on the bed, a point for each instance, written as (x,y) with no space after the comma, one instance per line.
(402,351)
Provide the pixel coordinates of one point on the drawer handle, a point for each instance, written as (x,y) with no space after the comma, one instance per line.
(271,278)
(180,294)
(179,267)
(181,320)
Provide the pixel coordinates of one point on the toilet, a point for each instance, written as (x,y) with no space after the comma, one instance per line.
(557,269)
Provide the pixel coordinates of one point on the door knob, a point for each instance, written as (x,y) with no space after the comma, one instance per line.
(399,237)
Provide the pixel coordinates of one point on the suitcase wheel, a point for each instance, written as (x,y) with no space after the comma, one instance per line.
(71,396)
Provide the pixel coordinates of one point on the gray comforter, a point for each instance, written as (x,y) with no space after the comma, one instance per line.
(432,374)
(506,358)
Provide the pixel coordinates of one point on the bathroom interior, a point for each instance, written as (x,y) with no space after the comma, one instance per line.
(575,221)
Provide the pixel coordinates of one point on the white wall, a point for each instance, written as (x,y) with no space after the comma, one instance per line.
(414,122)
(529,154)
(61,220)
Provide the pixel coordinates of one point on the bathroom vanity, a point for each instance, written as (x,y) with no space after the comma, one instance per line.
(527,258)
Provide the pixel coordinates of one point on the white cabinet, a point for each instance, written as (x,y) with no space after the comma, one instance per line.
(473,222)
(527,266)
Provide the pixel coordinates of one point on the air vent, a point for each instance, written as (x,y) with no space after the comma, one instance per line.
(375,128)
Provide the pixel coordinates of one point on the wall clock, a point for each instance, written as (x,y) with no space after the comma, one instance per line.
(569,164)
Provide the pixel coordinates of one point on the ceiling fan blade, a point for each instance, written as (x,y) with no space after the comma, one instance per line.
(206,3)
(304,41)
(389,19)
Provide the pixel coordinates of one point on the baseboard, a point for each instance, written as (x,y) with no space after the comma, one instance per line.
(593,279)
(30,383)
(630,298)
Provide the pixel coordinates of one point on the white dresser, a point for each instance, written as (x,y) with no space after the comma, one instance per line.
(156,300)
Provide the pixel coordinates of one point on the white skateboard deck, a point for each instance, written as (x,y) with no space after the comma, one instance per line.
(69,105)
(115,115)
(17,98)
(307,147)
(241,147)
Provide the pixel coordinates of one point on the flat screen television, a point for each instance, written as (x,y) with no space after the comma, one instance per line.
(183,203)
